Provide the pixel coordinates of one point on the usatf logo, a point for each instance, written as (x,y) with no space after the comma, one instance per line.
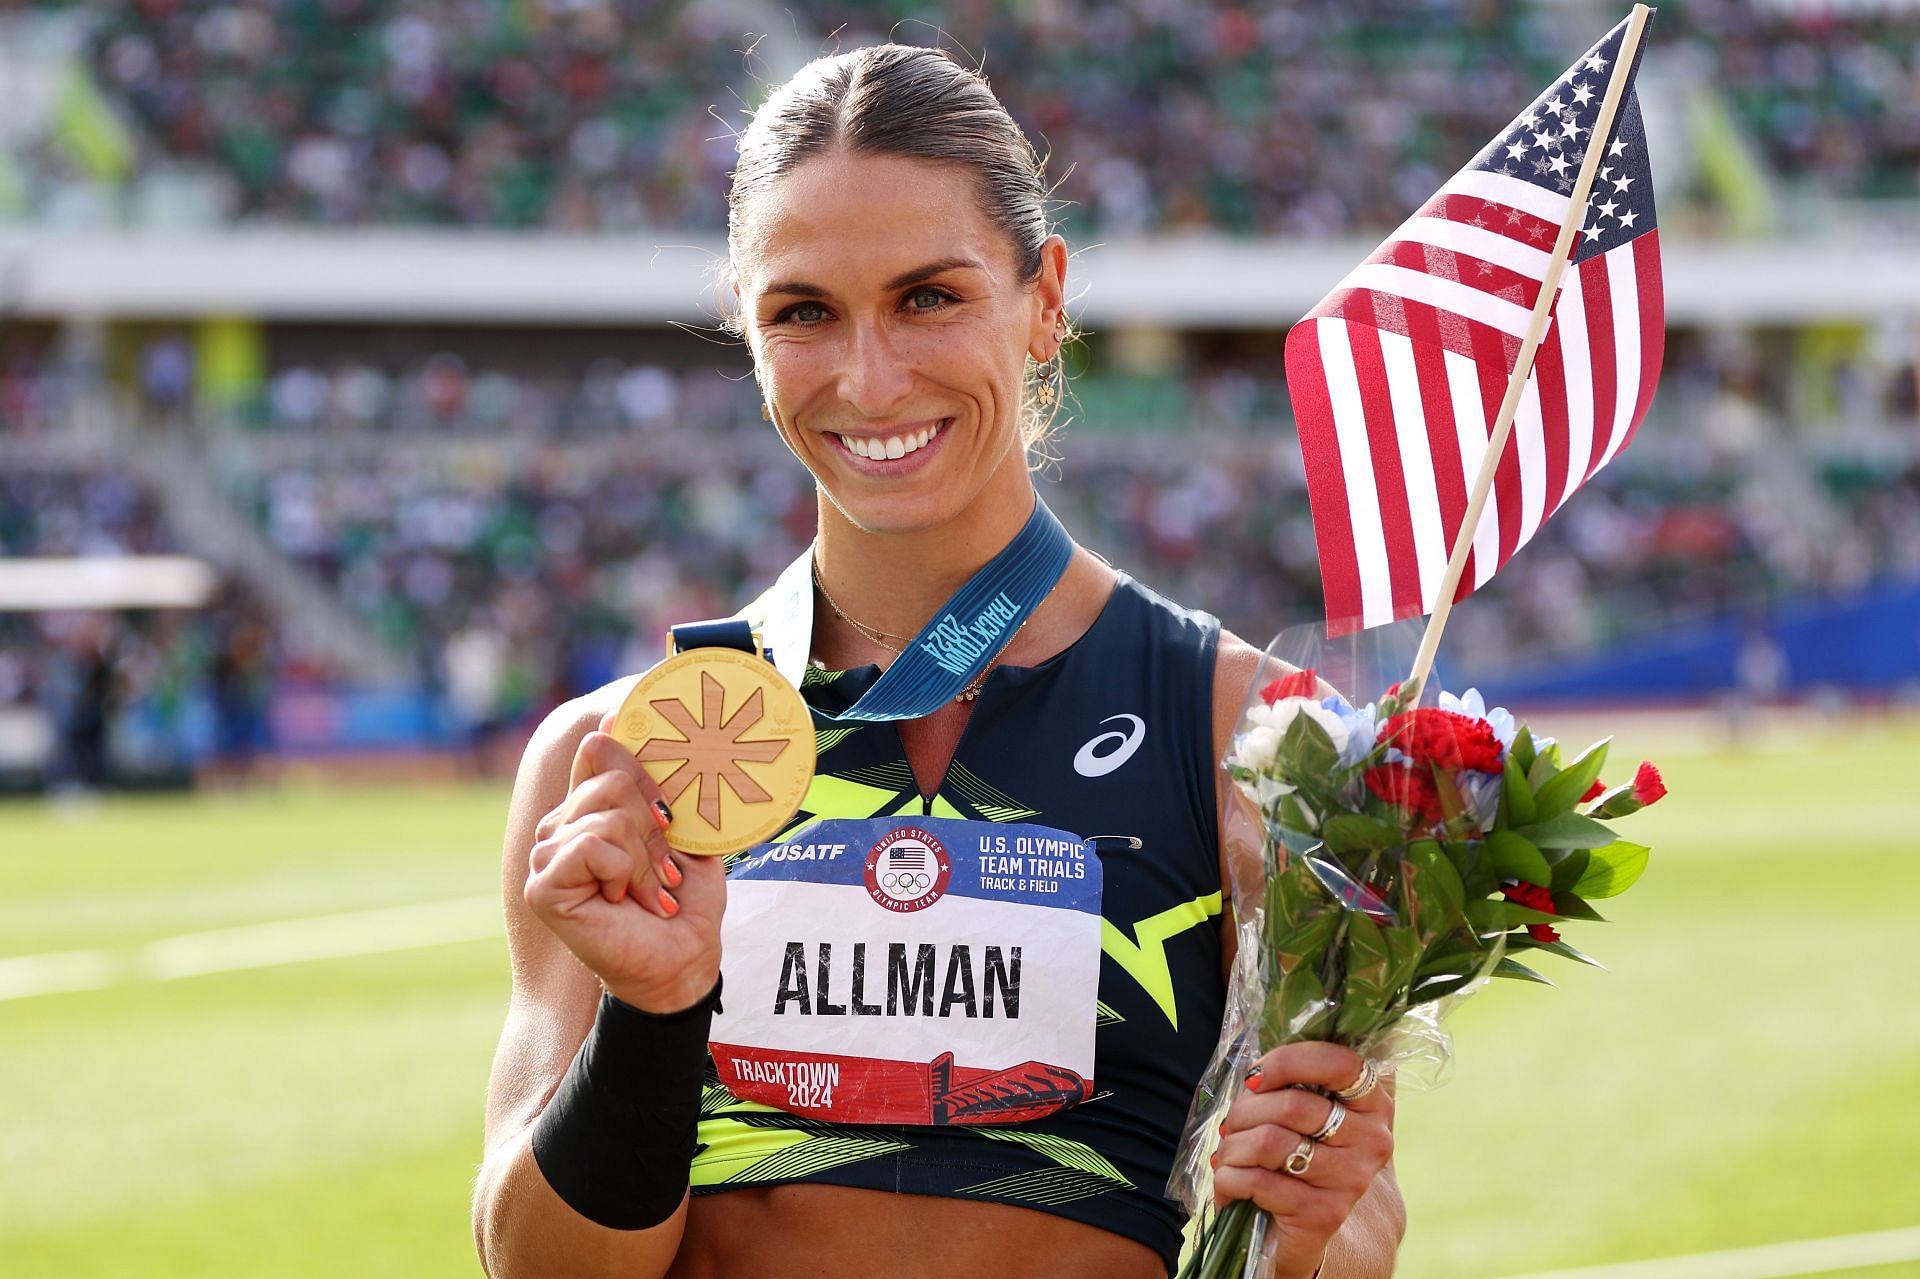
(908,870)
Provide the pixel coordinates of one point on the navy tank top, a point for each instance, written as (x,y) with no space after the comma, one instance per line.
(1111,739)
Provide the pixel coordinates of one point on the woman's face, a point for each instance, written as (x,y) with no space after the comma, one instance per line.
(890,333)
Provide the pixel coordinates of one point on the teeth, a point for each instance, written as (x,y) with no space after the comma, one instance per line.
(893,447)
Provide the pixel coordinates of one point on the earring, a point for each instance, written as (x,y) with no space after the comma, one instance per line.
(766,414)
(1043,390)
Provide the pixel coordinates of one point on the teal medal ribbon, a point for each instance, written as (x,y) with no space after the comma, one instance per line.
(956,645)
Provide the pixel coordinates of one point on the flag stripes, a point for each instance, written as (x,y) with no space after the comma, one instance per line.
(1398,375)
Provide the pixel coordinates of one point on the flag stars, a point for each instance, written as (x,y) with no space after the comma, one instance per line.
(1592,233)
(1558,163)
(1554,107)
(1545,140)
(1540,167)
(1582,94)
(1516,150)
(1609,209)
(1513,217)
(1621,184)
(1626,219)
(1616,147)
(1571,129)
(1594,62)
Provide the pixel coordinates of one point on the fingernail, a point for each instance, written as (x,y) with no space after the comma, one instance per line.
(619,893)
(662,814)
(1214,1159)
(1253,1080)
(1223,1127)
(668,904)
(671,873)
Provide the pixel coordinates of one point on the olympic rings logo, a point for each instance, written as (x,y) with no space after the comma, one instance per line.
(906,881)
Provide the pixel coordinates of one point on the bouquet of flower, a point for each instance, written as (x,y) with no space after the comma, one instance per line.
(1389,859)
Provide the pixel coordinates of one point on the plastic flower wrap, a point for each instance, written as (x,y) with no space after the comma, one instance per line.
(1387,859)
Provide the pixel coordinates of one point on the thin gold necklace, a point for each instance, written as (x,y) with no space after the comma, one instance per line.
(883,638)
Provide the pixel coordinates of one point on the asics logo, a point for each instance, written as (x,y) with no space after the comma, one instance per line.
(1110,749)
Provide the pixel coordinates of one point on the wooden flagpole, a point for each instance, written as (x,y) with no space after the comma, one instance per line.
(1536,330)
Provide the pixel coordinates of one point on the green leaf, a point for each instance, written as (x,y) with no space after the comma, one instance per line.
(1563,791)
(1516,797)
(1351,833)
(1514,968)
(1568,830)
(1515,915)
(1434,895)
(1545,765)
(1515,857)
(1367,1001)
(1522,752)
(1575,907)
(1488,916)
(1309,751)
(1612,869)
(1569,864)
(1562,948)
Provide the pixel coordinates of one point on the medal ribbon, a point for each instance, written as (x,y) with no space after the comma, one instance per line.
(960,641)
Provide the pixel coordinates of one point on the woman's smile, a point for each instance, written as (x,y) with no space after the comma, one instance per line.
(899,451)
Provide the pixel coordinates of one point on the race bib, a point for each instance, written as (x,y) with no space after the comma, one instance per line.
(912,971)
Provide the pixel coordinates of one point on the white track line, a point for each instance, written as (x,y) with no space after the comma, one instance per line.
(286,941)
(1774,1261)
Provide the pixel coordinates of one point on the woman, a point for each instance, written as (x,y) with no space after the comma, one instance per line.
(903,301)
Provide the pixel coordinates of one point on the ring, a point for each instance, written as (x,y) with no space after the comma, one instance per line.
(1360,1087)
(1335,1117)
(1301,1159)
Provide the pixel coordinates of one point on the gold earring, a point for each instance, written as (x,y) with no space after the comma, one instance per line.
(1043,392)
(766,414)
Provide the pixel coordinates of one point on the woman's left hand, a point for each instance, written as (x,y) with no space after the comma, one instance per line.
(1274,1121)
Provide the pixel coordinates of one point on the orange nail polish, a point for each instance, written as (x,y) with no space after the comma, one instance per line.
(671,873)
(1253,1080)
(668,904)
(1214,1159)
(662,815)
(619,894)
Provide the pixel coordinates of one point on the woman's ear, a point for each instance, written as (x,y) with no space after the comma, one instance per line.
(1049,301)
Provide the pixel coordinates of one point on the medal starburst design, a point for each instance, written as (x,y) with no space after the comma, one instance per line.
(710,749)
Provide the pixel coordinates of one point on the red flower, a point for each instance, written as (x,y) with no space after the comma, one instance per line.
(1299,684)
(1409,786)
(1647,786)
(1446,739)
(1594,791)
(1534,897)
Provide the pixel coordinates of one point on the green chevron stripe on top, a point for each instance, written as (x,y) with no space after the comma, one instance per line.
(825,739)
(990,801)
(1043,1186)
(1063,1151)
(815,1154)
(1105,1016)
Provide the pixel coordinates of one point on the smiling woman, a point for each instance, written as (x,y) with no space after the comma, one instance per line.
(1003,1092)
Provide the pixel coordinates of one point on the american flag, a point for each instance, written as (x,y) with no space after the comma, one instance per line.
(1398,374)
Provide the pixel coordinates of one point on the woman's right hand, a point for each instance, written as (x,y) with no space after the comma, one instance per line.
(645,919)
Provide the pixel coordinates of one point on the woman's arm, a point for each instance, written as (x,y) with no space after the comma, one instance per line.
(1347,1217)
(568,786)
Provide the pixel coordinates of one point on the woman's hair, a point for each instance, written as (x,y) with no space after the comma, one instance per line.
(901,100)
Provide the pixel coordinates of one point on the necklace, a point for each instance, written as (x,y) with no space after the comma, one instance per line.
(885,638)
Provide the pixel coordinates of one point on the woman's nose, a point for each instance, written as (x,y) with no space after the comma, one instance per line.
(873,377)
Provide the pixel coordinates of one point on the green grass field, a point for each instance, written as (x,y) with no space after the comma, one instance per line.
(1748,1072)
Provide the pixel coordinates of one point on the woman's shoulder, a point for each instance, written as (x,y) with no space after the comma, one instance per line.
(559,733)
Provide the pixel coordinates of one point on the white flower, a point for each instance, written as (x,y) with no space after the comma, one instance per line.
(1283,712)
(1258,748)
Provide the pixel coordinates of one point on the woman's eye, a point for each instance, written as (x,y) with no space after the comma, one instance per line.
(929,299)
(804,313)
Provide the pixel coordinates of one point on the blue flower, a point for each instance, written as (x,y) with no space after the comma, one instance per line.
(1499,719)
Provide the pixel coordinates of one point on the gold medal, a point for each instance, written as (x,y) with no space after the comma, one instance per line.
(730,742)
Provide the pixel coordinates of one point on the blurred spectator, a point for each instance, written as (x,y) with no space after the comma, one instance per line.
(1307,119)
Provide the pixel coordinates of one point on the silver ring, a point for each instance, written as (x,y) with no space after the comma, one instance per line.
(1360,1087)
(1301,1159)
(1335,1117)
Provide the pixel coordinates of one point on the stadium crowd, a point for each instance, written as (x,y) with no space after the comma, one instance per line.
(1304,119)
(516,567)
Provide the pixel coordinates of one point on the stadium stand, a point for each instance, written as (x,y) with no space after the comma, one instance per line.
(437,518)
